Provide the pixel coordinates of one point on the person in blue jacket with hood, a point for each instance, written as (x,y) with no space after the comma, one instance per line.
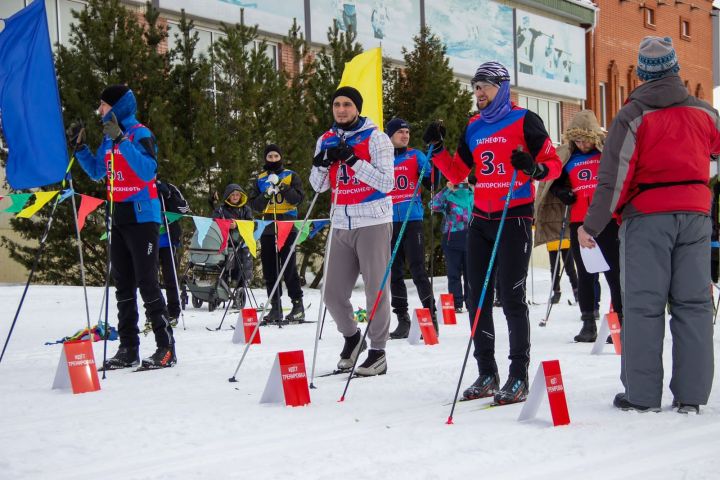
(127,158)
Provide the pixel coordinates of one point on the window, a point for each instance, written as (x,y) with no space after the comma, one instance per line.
(684,28)
(66,18)
(547,110)
(649,18)
(10,7)
(621,97)
(602,99)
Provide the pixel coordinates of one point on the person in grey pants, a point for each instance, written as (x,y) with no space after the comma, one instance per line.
(354,159)
(654,173)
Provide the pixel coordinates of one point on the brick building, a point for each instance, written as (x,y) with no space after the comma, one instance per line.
(612,48)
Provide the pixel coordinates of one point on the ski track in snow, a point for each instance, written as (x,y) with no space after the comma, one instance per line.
(189,422)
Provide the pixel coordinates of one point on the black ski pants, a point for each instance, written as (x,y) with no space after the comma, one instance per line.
(609,244)
(170,280)
(271,265)
(456,264)
(134,260)
(566,259)
(511,265)
(412,250)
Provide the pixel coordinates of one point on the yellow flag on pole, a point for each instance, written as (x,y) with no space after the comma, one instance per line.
(245,229)
(364,73)
(41,198)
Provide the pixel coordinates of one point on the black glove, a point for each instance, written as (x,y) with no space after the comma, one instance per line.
(322,160)
(472,179)
(524,162)
(163,189)
(112,129)
(342,153)
(565,195)
(76,134)
(283,187)
(435,134)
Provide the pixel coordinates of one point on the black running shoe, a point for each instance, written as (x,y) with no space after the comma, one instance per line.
(484,386)
(624,404)
(515,390)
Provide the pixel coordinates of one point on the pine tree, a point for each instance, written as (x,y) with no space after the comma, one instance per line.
(107,45)
(423,92)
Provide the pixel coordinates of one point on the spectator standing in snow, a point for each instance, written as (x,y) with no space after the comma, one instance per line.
(275,194)
(455,203)
(354,159)
(500,139)
(654,173)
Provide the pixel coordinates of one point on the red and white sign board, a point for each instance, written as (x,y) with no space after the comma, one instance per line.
(287,381)
(548,381)
(447,301)
(76,368)
(610,326)
(422,326)
(246,325)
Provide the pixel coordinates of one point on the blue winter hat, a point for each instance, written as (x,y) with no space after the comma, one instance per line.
(656,58)
(394,125)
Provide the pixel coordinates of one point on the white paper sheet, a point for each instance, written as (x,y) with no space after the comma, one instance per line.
(593,260)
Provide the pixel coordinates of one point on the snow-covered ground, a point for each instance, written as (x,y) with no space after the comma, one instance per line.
(189,422)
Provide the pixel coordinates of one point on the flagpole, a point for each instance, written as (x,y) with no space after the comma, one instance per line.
(80,254)
(38,254)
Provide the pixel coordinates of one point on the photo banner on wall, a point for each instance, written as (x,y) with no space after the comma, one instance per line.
(390,24)
(474,32)
(550,55)
(273,16)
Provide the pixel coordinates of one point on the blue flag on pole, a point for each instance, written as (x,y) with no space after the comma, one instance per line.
(30,112)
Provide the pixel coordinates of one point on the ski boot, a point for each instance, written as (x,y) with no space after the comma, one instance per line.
(403,328)
(588,333)
(624,404)
(297,314)
(515,390)
(555,297)
(352,348)
(126,357)
(162,358)
(375,364)
(484,386)
(274,316)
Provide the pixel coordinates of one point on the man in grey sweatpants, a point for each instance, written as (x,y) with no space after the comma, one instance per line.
(654,172)
(354,159)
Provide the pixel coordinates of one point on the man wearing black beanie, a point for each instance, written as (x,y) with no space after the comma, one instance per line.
(275,194)
(354,160)
(129,153)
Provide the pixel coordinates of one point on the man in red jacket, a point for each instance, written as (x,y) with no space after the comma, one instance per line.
(654,174)
(498,140)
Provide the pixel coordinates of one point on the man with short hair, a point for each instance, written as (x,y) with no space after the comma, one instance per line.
(497,141)
(654,174)
(409,163)
(354,160)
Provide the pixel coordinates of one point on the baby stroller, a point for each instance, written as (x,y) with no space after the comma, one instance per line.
(213,276)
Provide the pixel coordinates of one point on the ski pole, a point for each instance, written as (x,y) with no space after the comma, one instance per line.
(277,265)
(566,214)
(318,328)
(109,211)
(322,323)
(172,255)
(282,271)
(36,260)
(386,275)
(80,253)
(488,273)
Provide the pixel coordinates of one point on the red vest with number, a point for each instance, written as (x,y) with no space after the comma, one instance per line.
(126,185)
(350,189)
(582,170)
(491,145)
(406,176)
